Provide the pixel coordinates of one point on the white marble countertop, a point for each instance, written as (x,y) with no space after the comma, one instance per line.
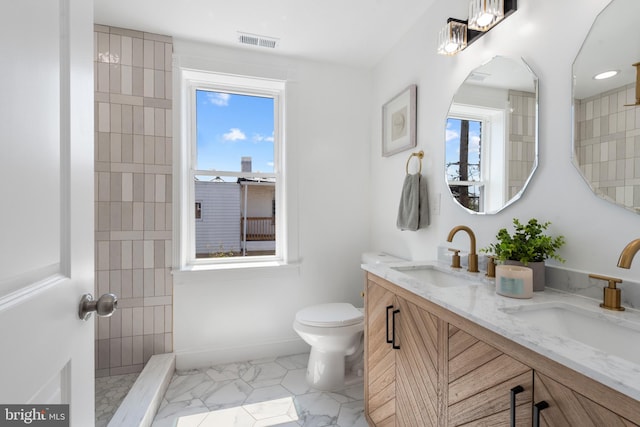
(479,303)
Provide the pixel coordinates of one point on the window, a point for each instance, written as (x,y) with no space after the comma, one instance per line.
(475,151)
(232,170)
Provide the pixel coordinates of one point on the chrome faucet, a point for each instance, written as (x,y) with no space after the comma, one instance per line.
(473,256)
(628,253)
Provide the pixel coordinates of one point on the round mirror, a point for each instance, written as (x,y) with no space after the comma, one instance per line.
(492,136)
(606,145)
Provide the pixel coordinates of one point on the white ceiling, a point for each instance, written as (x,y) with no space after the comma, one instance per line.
(352,32)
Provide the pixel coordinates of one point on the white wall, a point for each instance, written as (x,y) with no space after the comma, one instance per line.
(233,315)
(547,34)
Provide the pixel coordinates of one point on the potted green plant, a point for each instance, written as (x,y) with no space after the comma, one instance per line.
(529,246)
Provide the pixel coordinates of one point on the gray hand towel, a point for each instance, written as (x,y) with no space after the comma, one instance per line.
(413,212)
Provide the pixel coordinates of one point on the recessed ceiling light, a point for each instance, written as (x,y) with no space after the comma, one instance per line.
(606,75)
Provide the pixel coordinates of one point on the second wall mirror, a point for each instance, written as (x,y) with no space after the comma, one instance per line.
(491,136)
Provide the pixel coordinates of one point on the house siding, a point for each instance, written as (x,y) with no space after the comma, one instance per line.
(219,228)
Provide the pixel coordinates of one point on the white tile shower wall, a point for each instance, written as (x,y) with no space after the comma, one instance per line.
(608,144)
(133,157)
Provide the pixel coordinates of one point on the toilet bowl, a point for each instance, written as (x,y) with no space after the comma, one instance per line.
(334,332)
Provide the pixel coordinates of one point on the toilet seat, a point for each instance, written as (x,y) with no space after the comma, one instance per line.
(330,315)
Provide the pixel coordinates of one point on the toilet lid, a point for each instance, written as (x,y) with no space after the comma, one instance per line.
(328,315)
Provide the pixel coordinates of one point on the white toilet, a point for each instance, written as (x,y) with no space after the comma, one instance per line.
(334,332)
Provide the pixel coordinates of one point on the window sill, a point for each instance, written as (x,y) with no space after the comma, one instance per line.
(234,271)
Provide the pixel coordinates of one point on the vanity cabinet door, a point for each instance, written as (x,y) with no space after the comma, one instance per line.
(480,380)
(416,366)
(380,357)
(567,408)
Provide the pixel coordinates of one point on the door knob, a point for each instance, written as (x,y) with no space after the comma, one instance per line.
(103,306)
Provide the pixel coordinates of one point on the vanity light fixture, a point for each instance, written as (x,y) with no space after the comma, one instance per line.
(483,15)
(453,37)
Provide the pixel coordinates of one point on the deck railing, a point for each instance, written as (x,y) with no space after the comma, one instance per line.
(259,228)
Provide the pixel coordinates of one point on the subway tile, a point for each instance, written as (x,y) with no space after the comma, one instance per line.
(101,235)
(115,78)
(159,217)
(138,255)
(104,186)
(148,320)
(168,342)
(160,188)
(115,143)
(168,318)
(115,46)
(138,187)
(126,254)
(149,150)
(126,80)
(138,149)
(103,47)
(138,349)
(115,328)
(103,327)
(126,120)
(149,216)
(127,148)
(115,353)
(126,50)
(158,343)
(160,149)
(149,83)
(168,85)
(158,280)
(137,320)
(157,103)
(168,282)
(103,216)
(168,253)
(159,126)
(138,216)
(115,216)
(131,302)
(126,235)
(103,255)
(149,188)
(115,255)
(137,56)
(168,217)
(102,97)
(127,187)
(169,151)
(168,56)
(149,116)
(156,169)
(137,81)
(127,283)
(100,28)
(127,351)
(158,56)
(148,348)
(102,282)
(157,300)
(103,354)
(158,84)
(168,197)
(157,235)
(149,50)
(103,74)
(126,315)
(138,283)
(149,282)
(148,253)
(115,120)
(104,117)
(115,186)
(158,261)
(158,320)
(126,32)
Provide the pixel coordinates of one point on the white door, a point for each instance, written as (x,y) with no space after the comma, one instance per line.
(46,204)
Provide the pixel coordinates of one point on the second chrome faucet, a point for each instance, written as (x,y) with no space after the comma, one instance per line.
(473,256)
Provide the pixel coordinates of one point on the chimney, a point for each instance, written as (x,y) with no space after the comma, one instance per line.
(246,164)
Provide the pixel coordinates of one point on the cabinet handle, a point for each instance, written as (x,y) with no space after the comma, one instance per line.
(536,412)
(517,389)
(393,326)
(389,340)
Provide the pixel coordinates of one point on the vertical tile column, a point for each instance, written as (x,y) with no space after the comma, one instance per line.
(522,139)
(133,158)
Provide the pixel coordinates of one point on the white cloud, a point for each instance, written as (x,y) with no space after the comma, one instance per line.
(451,134)
(261,138)
(234,134)
(219,99)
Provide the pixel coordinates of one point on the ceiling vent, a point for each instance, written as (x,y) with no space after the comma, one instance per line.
(256,40)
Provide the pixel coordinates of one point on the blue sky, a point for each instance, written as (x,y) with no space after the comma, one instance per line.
(452,151)
(230,126)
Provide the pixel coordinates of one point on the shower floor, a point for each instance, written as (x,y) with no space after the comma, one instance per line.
(266,392)
(110,392)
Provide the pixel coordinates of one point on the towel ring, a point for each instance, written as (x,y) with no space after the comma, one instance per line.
(419,155)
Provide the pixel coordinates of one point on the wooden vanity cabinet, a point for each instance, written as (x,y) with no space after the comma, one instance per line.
(449,371)
(401,359)
(480,383)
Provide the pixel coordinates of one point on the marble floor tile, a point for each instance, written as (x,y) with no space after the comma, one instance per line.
(109,393)
(258,393)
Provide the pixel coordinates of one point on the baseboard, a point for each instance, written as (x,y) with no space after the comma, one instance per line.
(201,358)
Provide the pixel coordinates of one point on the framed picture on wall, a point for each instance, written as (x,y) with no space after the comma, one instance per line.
(399,122)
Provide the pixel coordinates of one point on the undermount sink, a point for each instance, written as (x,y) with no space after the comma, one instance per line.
(610,334)
(432,275)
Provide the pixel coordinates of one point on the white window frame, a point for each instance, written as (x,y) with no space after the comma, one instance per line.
(191,80)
